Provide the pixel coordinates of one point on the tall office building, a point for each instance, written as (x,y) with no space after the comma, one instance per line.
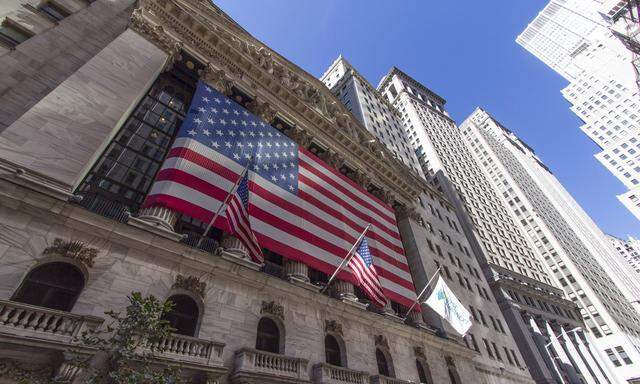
(439,243)
(581,259)
(629,250)
(537,313)
(578,40)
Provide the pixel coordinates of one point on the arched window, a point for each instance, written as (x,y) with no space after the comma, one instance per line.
(54,285)
(383,366)
(424,374)
(333,352)
(184,315)
(268,338)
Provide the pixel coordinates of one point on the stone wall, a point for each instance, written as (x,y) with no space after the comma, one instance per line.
(130,259)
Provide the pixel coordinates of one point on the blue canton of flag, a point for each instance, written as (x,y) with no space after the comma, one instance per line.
(228,128)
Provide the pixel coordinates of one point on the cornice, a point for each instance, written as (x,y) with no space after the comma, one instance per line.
(200,29)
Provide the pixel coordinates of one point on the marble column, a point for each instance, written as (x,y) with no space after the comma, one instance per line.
(232,245)
(296,270)
(564,360)
(548,358)
(345,290)
(584,347)
(578,358)
(160,216)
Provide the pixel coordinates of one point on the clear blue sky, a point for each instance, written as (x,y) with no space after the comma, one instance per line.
(463,50)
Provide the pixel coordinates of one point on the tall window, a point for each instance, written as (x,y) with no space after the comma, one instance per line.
(383,366)
(11,36)
(268,338)
(424,373)
(53,285)
(125,171)
(184,315)
(53,11)
(332,351)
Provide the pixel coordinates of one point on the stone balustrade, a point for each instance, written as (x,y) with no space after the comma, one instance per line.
(380,379)
(190,349)
(19,320)
(330,374)
(270,367)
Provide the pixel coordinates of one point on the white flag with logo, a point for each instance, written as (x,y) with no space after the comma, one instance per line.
(446,304)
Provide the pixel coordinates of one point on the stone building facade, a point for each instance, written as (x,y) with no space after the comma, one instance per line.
(91,94)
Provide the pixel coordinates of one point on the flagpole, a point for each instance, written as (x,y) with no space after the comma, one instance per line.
(224,203)
(347,258)
(422,292)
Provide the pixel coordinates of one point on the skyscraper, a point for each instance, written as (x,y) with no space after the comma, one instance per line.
(582,260)
(439,243)
(576,39)
(536,311)
(629,250)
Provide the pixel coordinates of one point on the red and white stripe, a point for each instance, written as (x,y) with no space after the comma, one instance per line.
(368,278)
(238,220)
(317,227)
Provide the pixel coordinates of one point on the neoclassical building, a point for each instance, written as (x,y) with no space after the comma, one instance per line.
(91,96)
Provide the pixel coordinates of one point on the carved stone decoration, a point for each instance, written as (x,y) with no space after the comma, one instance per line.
(272,308)
(262,109)
(300,136)
(381,341)
(217,78)
(419,352)
(362,179)
(332,158)
(191,284)
(156,34)
(76,250)
(450,362)
(13,370)
(403,212)
(333,327)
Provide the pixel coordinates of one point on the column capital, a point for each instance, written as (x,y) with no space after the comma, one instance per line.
(217,78)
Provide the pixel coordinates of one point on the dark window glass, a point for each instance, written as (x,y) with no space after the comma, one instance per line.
(332,351)
(11,36)
(52,285)
(125,171)
(53,11)
(268,338)
(453,376)
(383,367)
(184,315)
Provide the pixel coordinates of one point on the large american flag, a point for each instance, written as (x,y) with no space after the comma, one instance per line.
(361,265)
(300,207)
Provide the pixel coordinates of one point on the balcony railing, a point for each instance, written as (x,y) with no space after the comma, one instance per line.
(380,379)
(29,321)
(330,374)
(254,363)
(186,349)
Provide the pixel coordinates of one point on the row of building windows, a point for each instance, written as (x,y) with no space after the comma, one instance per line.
(57,285)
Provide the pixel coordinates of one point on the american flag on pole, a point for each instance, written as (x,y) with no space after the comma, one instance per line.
(362,266)
(300,207)
(238,219)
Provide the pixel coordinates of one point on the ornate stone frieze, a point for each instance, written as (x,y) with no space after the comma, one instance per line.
(381,341)
(191,284)
(76,250)
(217,78)
(419,352)
(403,212)
(333,327)
(273,309)
(332,158)
(262,109)
(300,136)
(212,37)
(13,370)
(155,33)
